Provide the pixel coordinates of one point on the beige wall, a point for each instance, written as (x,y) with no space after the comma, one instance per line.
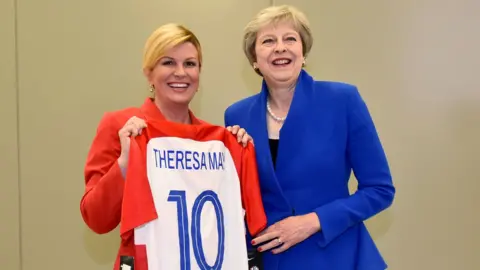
(9,191)
(414,61)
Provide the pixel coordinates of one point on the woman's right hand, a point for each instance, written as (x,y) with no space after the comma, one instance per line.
(132,127)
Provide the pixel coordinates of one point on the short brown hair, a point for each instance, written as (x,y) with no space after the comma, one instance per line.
(274,15)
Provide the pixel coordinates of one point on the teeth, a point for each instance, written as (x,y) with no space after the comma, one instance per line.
(178,85)
(281,62)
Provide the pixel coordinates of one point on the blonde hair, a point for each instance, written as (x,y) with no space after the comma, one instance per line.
(274,15)
(164,38)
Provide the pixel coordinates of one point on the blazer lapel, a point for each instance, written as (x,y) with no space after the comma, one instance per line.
(298,116)
(258,130)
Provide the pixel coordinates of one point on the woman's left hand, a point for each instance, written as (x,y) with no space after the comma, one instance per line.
(242,135)
(287,233)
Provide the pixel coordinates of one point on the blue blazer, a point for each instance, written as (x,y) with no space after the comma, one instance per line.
(328,134)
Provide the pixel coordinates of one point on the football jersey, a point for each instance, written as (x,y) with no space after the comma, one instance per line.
(189,192)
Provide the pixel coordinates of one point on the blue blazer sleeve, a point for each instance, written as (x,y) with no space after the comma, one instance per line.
(369,164)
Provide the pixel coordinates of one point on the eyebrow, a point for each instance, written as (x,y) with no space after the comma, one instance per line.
(293,33)
(171,58)
(286,34)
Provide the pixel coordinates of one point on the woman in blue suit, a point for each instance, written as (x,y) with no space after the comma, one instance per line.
(309,136)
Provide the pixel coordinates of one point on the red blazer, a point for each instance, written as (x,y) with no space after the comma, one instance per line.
(101,203)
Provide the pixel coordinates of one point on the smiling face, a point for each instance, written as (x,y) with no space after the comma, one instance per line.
(175,77)
(279,55)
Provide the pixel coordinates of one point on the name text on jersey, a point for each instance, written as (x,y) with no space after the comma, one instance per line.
(188,160)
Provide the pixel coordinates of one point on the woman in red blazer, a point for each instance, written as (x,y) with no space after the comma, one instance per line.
(172,62)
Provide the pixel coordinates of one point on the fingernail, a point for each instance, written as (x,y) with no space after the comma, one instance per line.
(259,249)
(253,242)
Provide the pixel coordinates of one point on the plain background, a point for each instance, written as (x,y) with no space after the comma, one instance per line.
(64,63)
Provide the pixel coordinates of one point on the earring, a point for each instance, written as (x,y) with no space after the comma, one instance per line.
(152,88)
(303,64)
(255,66)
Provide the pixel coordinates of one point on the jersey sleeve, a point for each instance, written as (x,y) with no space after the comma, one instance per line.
(138,207)
(251,197)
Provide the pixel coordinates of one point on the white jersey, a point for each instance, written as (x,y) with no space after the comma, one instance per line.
(187,189)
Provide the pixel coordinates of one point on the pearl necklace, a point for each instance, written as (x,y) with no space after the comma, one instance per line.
(276,118)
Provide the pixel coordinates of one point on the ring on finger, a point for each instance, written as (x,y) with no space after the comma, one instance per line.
(279,241)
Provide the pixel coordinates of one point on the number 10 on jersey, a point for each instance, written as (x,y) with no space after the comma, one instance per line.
(184,232)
